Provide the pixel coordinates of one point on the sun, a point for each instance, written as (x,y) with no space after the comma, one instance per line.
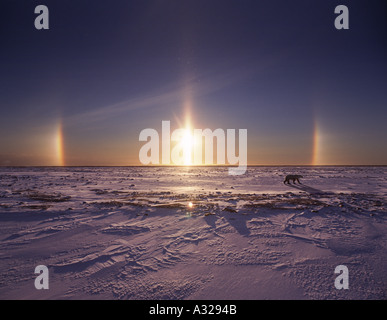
(187,142)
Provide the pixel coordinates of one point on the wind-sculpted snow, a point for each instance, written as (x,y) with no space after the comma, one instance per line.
(193,233)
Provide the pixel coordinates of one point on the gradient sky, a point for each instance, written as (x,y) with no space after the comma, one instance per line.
(81,92)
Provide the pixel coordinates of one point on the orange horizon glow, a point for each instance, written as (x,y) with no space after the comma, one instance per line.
(52,151)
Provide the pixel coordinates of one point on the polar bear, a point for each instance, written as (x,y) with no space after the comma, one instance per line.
(293,177)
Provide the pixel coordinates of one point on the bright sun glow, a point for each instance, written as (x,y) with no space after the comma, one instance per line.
(187,142)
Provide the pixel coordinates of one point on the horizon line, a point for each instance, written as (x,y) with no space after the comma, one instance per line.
(194,166)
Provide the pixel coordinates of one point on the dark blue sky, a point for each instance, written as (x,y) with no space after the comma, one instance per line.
(105,70)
